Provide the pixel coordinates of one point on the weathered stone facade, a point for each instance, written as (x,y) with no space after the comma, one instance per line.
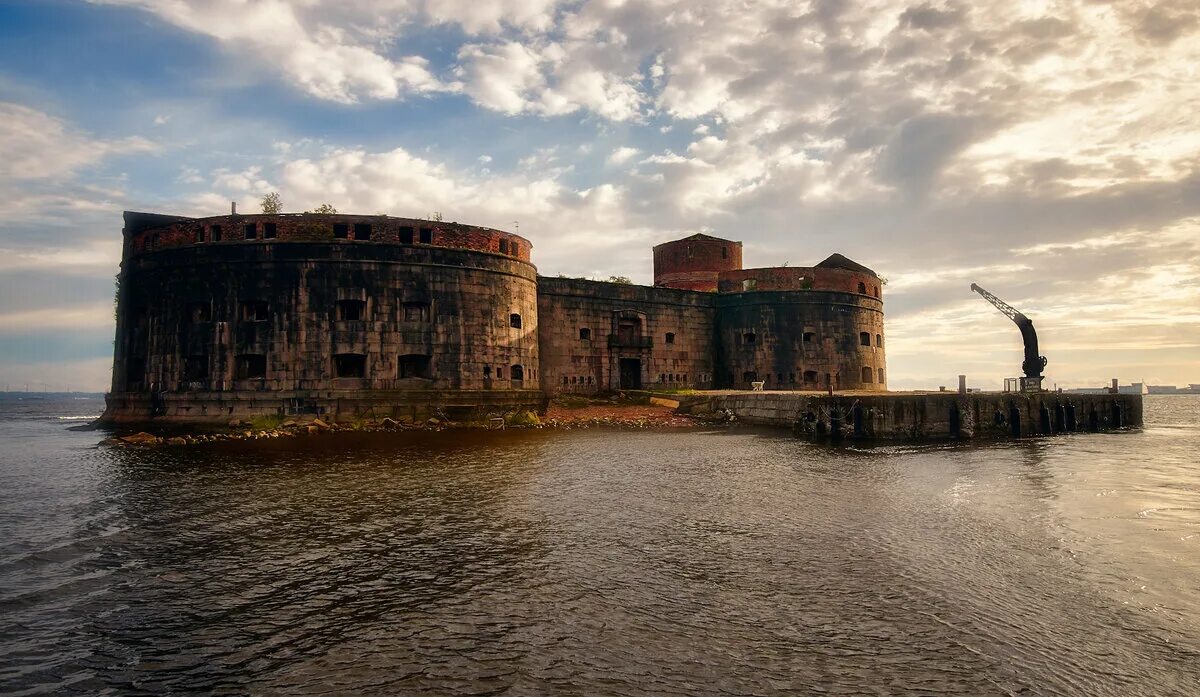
(307,320)
(350,316)
(601,336)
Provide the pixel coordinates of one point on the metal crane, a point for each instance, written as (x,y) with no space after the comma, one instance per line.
(1034,363)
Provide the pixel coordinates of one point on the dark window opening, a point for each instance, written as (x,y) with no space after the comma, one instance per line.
(349,365)
(585,334)
(362,231)
(684,378)
(750,376)
(499,373)
(504,246)
(875,290)
(864,338)
(269,231)
(487,372)
(866,375)
(251,231)
(779,378)
(517,372)
(416,312)
(406,234)
(589,380)
(154,241)
(862,288)
(879,374)
(879,340)
(341,231)
(791,378)
(662,377)
(199,236)
(251,366)
(254,311)
(670,338)
(566,380)
(515,249)
(426,235)
(749,338)
(216,233)
(809,337)
(750,284)
(810,376)
(691,252)
(724,252)
(195,368)
(199,312)
(351,310)
(574,380)
(514,320)
(415,365)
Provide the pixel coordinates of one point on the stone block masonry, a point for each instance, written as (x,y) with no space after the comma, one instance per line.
(352,315)
(921,416)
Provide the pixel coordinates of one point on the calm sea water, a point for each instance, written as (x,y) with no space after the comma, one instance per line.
(599,562)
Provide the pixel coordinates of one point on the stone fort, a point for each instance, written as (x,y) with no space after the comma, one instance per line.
(357,316)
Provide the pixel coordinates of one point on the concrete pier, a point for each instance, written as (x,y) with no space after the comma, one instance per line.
(925,415)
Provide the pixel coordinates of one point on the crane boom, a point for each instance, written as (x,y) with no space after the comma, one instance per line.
(1033,363)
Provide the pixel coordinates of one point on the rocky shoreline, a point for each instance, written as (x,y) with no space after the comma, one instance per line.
(592,415)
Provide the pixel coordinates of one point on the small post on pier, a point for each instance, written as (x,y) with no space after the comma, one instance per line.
(962,384)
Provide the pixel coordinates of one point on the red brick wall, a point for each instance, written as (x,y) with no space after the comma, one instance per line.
(314,226)
(693,264)
(800,278)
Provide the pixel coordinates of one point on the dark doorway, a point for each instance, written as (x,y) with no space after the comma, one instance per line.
(631,374)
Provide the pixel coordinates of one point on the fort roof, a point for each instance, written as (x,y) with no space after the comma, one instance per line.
(837,261)
(700,237)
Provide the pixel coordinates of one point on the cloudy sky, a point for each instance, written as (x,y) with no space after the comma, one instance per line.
(1049,151)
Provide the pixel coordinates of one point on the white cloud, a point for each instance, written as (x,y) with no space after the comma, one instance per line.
(622,155)
(37,145)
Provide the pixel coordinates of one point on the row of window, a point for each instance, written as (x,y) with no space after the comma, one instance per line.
(752,284)
(864,338)
(347,311)
(253,366)
(360,232)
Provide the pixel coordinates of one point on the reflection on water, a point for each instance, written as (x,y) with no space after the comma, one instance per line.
(721,562)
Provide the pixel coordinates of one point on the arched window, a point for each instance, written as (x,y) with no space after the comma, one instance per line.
(866,374)
(566,380)
(864,338)
(810,376)
(749,338)
(809,337)
(876,290)
(670,337)
(487,372)
(514,320)
(517,373)
(879,340)
(879,374)
(862,287)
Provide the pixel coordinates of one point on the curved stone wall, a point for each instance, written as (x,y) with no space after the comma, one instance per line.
(800,340)
(694,263)
(800,278)
(211,331)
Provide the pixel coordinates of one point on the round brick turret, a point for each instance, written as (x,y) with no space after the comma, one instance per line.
(694,263)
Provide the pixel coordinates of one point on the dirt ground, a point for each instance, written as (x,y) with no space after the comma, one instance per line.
(617,414)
